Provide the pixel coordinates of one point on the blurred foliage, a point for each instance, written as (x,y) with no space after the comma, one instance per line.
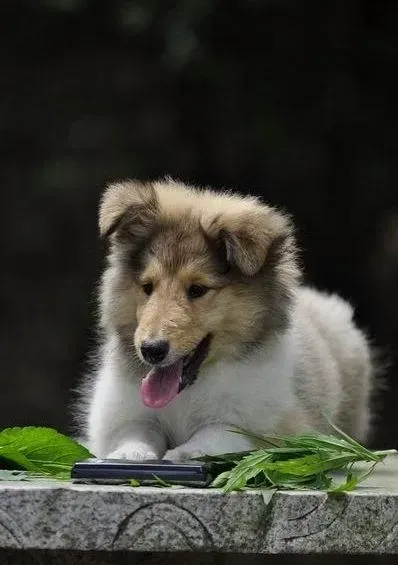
(295,101)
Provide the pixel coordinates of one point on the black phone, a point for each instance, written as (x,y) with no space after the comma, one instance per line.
(119,471)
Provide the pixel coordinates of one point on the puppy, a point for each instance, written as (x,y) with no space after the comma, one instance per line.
(206,329)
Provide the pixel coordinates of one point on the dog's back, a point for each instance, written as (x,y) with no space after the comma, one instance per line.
(334,368)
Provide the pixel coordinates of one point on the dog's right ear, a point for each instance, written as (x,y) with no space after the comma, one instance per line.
(128,209)
(248,233)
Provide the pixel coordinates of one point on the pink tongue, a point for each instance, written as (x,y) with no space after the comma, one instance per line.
(161,385)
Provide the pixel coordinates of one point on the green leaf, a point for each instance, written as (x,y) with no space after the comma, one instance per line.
(158,482)
(349,484)
(221,479)
(353,480)
(303,461)
(161,482)
(248,468)
(16,459)
(348,439)
(225,457)
(41,450)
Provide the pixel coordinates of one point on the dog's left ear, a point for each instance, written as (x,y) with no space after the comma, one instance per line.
(248,234)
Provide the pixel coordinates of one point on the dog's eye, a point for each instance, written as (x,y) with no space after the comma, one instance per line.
(196,291)
(148,288)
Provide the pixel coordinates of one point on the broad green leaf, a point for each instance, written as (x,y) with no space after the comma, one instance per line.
(16,459)
(41,450)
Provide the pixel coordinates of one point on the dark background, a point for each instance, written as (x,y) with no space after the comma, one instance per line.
(295,101)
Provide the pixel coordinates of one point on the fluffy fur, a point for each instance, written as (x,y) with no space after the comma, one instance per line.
(281,354)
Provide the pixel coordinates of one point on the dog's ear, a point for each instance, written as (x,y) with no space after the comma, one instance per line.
(248,234)
(128,209)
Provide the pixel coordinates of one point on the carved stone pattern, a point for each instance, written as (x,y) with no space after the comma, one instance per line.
(50,516)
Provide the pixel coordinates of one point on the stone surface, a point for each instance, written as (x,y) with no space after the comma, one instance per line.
(49,516)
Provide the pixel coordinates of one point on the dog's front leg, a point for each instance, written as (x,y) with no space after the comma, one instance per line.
(211,440)
(138,441)
(119,426)
(114,434)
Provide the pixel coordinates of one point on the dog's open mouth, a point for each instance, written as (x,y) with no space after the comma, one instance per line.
(162,384)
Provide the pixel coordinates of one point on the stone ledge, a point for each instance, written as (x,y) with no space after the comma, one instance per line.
(54,516)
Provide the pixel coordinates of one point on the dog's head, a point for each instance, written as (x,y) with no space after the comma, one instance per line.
(193,277)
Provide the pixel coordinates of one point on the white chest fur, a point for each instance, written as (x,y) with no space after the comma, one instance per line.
(253,391)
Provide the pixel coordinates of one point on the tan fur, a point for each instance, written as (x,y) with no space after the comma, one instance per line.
(121,198)
(181,257)
(281,355)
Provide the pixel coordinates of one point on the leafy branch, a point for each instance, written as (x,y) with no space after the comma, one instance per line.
(303,461)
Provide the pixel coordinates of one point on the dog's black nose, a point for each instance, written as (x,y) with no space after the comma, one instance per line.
(154,350)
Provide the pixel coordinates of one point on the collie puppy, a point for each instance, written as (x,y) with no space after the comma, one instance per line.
(206,329)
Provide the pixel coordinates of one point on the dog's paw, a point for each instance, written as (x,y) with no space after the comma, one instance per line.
(133,451)
(183,453)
